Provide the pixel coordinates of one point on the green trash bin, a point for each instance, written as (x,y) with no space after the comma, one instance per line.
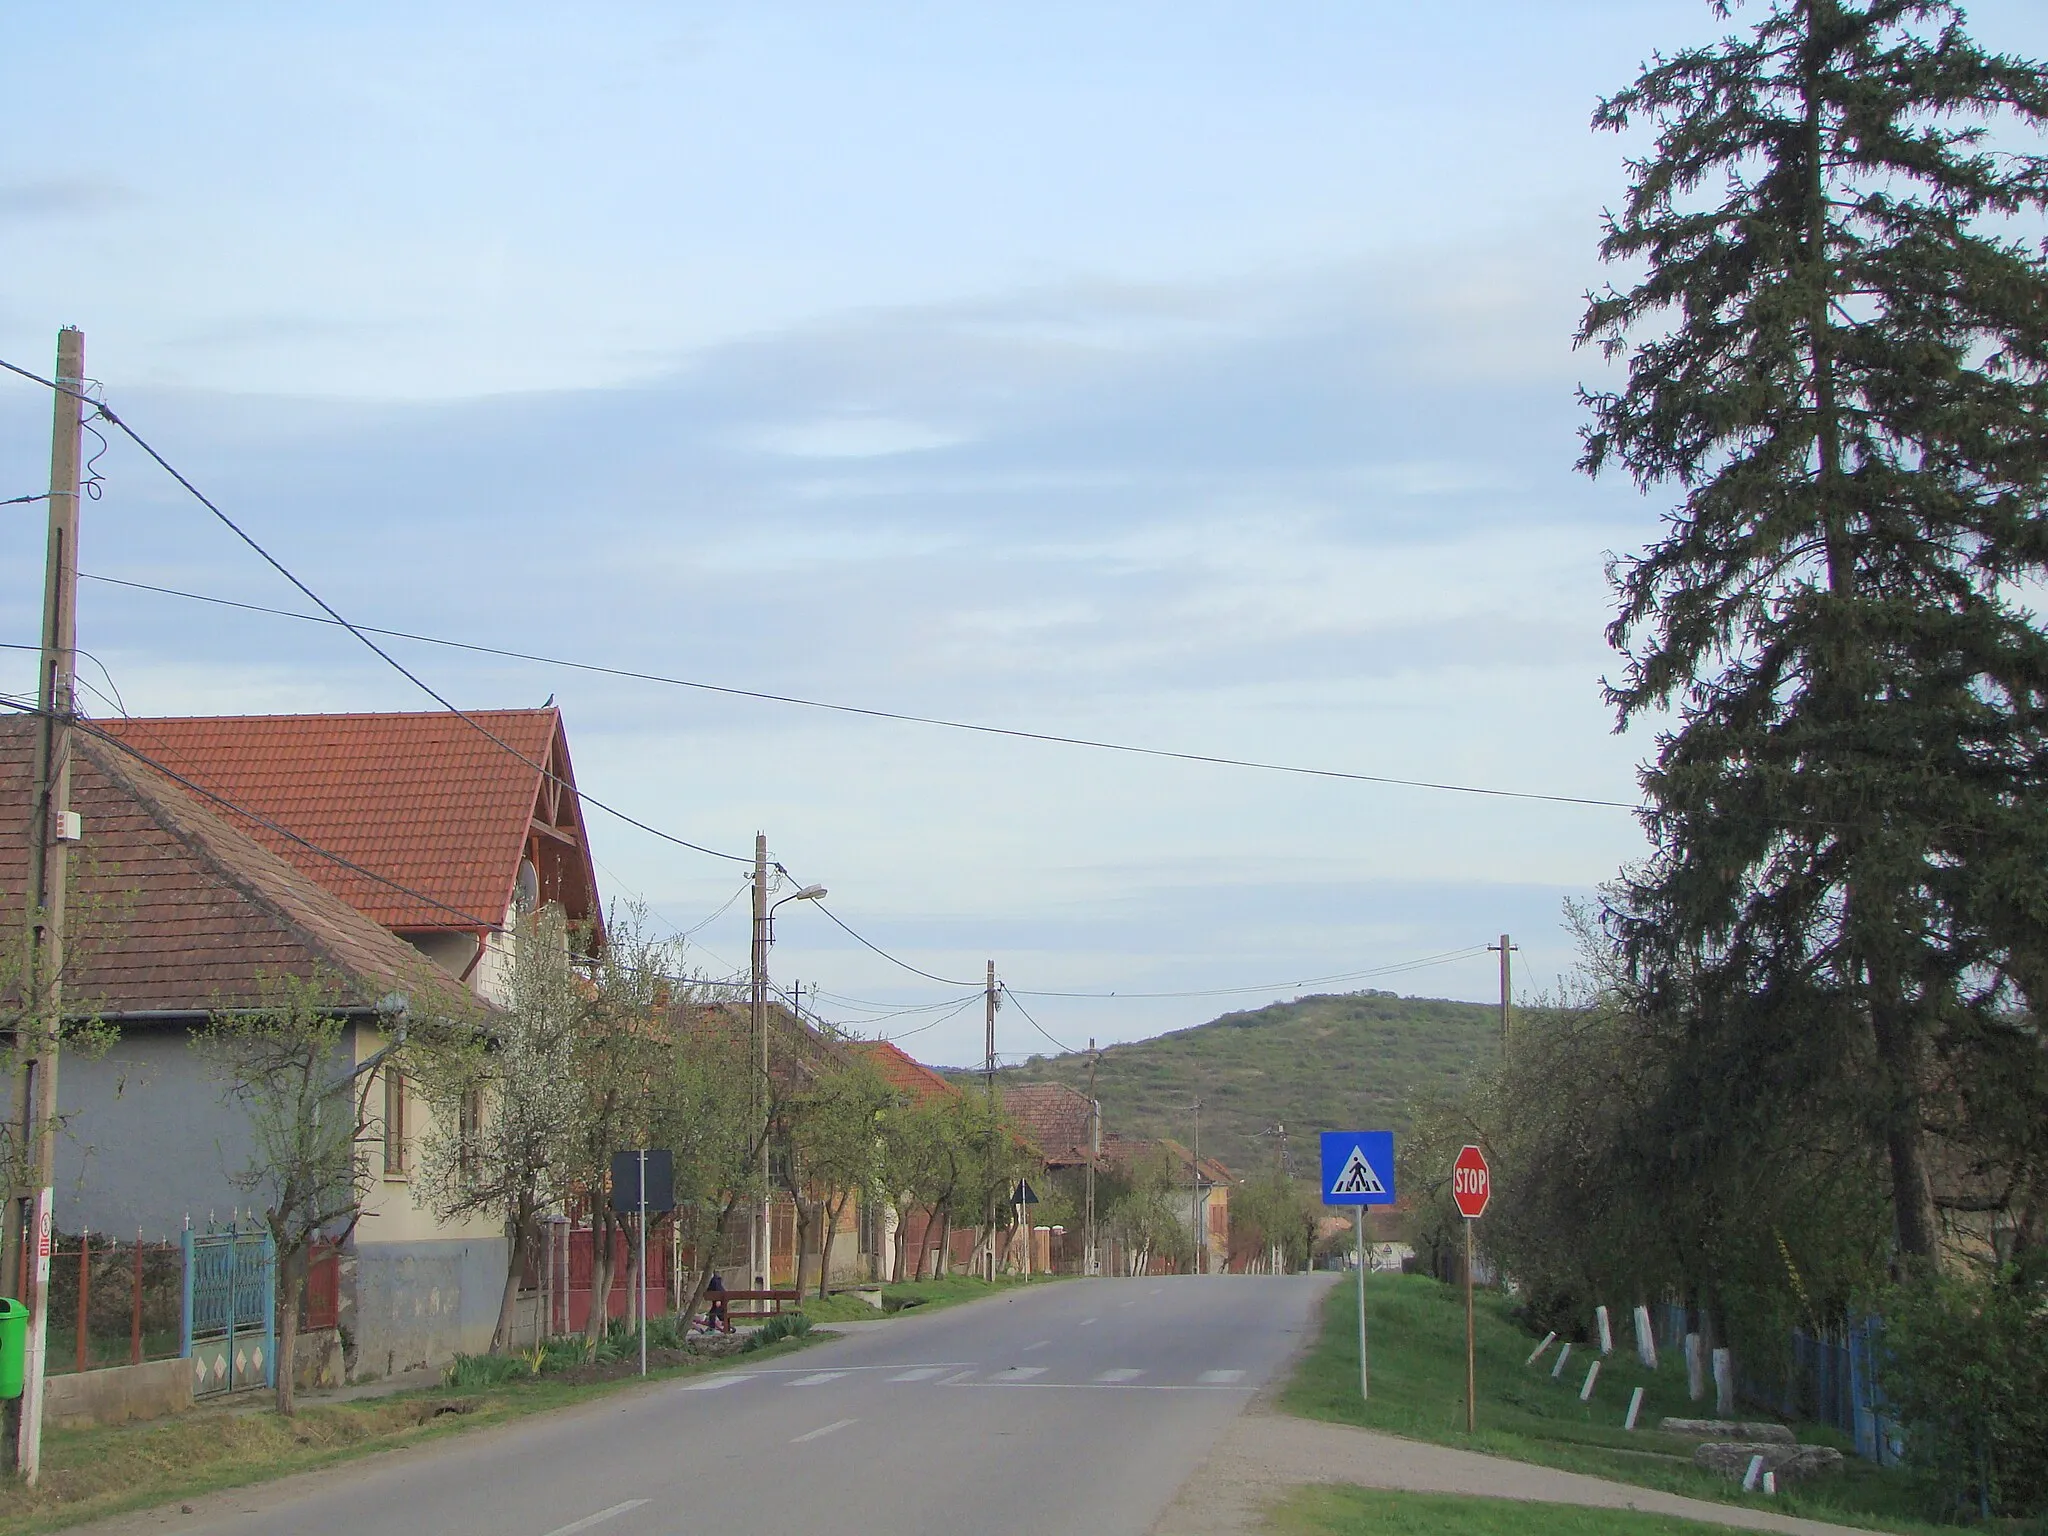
(13,1345)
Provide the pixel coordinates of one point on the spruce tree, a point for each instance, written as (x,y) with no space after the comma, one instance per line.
(1837,354)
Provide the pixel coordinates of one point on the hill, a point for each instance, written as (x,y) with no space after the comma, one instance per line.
(1315,1064)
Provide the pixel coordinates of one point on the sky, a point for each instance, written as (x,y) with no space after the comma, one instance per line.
(1194,376)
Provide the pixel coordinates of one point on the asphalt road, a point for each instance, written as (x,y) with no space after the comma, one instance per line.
(1076,1406)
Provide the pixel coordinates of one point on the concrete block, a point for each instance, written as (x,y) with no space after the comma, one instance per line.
(1606,1330)
(1635,1407)
(1724,1382)
(1592,1375)
(1751,1431)
(1695,1368)
(1646,1339)
(1557,1370)
(122,1394)
(1537,1353)
(1789,1463)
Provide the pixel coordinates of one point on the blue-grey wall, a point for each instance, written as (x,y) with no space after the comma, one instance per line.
(418,1303)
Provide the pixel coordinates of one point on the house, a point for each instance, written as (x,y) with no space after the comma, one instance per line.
(386,854)
(1205,1207)
(905,1235)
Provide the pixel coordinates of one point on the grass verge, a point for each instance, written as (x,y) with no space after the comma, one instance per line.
(1416,1350)
(90,1473)
(1337,1510)
(912,1295)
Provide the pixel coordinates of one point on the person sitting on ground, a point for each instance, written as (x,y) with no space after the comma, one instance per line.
(717,1317)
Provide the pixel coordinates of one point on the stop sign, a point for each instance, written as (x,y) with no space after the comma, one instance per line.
(1471,1183)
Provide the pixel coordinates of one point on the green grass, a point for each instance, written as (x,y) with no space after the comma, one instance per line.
(1338,1510)
(912,1295)
(90,1473)
(1416,1349)
(1296,1063)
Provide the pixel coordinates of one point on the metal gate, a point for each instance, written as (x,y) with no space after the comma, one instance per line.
(230,1323)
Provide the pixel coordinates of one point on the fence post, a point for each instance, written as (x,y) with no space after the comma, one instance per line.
(135,1319)
(84,1292)
(185,1296)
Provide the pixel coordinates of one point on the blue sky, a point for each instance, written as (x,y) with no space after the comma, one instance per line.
(1192,375)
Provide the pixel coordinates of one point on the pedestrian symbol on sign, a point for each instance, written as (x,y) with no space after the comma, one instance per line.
(1358,1177)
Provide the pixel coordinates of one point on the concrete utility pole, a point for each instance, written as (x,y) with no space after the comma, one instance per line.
(1092,1260)
(52,830)
(1201,1232)
(1507,989)
(758,1000)
(988,1083)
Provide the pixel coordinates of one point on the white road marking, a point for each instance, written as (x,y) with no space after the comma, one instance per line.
(1221,1378)
(1030,1347)
(1121,1373)
(1155,1290)
(922,1373)
(1021,1373)
(817,1378)
(1131,1303)
(597,1519)
(713,1383)
(956,1376)
(818,1434)
(1090,1322)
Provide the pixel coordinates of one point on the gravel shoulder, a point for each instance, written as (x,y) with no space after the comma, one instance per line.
(1265,1453)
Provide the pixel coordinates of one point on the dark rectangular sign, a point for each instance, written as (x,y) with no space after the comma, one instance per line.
(661,1180)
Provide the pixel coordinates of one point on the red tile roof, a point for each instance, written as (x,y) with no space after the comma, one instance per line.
(175,910)
(908,1076)
(424,800)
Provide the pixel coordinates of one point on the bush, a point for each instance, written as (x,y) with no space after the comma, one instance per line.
(469,1372)
(1967,1375)
(784,1325)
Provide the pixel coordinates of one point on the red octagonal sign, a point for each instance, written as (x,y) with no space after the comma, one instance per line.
(1471,1183)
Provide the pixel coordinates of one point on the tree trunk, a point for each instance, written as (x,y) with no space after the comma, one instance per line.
(508,1302)
(804,1215)
(945,1249)
(896,1242)
(1899,1054)
(291,1274)
(600,1280)
(832,1214)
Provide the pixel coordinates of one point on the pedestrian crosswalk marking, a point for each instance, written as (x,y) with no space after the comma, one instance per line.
(1121,1373)
(1221,1378)
(922,1373)
(957,1376)
(818,1379)
(712,1384)
(1021,1373)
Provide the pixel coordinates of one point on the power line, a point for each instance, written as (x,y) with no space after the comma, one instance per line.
(1016,733)
(893,960)
(1005,986)
(334,616)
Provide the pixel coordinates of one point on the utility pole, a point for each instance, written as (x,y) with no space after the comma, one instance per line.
(52,830)
(1201,1236)
(762,1236)
(988,1082)
(1092,1260)
(1507,990)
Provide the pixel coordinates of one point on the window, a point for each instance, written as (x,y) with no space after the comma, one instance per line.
(394,1123)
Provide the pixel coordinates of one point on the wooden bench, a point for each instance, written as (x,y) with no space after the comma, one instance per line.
(765,1303)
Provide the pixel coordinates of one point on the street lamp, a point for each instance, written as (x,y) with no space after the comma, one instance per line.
(764,935)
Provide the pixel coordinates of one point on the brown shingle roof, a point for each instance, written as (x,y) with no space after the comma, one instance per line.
(175,910)
(423,799)
(908,1076)
(1053,1117)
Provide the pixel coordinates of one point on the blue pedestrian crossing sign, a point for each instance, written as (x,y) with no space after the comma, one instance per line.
(1358,1167)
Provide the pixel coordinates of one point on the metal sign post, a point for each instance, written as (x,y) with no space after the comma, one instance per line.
(1471,1189)
(643,1181)
(643,1261)
(1358,1169)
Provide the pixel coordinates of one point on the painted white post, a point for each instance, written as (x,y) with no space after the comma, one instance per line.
(1557,1370)
(1771,1483)
(1646,1339)
(1724,1383)
(1592,1375)
(1635,1406)
(1537,1353)
(1695,1369)
(1606,1330)
(1755,1473)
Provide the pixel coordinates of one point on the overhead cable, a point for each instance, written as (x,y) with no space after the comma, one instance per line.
(1016,733)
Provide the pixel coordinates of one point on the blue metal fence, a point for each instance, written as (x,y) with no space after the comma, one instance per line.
(229,1330)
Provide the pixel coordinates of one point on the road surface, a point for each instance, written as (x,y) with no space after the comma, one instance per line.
(1075,1406)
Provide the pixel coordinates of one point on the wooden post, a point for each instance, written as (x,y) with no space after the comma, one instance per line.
(135,1317)
(84,1294)
(1471,1370)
